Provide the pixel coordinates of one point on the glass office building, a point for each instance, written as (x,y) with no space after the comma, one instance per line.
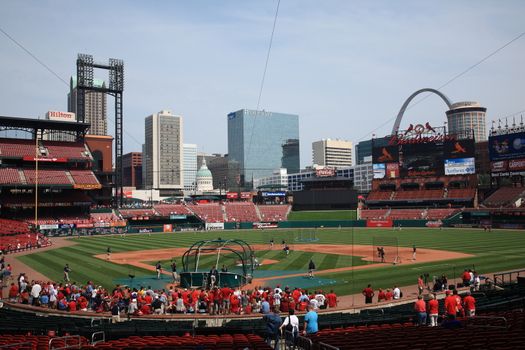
(262,142)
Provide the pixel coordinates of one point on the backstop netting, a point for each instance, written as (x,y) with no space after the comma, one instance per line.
(385,249)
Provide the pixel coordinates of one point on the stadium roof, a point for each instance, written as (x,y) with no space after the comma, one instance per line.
(39,124)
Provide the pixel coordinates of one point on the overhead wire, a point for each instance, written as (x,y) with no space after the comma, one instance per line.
(451,80)
(49,69)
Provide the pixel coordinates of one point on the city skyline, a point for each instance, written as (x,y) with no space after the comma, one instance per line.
(348,64)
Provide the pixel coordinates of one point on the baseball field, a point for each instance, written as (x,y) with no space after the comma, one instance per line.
(344,257)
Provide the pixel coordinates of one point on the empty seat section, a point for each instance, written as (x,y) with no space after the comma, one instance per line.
(69,150)
(208,212)
(17,148)
(47,177)
(168,209)
(241,212)
(84,177)
(274,212)
(10,176)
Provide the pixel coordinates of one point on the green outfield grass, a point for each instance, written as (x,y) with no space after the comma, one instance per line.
(295,261)
(322,215)
(494,251)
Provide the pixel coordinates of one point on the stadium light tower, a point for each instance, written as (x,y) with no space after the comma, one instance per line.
(85,77)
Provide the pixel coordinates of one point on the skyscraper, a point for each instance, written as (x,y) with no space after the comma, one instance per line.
(465,116)
(96,106)
(262,142)
(190,166)
(332,153)
(163,151)
(132,169)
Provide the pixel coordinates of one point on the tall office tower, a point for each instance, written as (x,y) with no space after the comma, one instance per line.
(332,153)
(262,142)
(190,166)
(163,152)
(132,169)
(96,106)
(465,116)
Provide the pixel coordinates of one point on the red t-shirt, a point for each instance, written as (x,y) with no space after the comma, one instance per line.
(368,292)
(389,295)
(13,291)
(465,276)
(470,302)
(433,307)
(419,306)
(332,299)
(451,305)
(381,296)
(226,292)
(72,306)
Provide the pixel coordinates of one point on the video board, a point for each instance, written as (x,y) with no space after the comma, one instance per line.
(509,146)
(385,154)
(424,159)
(454,149)
(423,151)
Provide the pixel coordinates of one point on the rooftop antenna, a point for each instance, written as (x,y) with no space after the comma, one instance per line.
(499,124)
(521,117)
(506,123)
(492,128)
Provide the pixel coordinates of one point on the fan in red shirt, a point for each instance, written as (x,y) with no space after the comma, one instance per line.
(13,292)
(459,304)
(470,305)
(421,311)
(332,299)
(381,296)
(389,295)
(225,294)
(433,310)
(368,292)
(450,306)
(72,306)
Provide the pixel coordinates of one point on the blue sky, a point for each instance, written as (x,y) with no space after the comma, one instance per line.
(345,67)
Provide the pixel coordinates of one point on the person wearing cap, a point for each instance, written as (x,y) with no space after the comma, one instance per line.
(450,305)
(433,310)
(470,305)
(420,308)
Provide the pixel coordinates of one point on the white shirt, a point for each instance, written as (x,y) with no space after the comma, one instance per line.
(277,290)
(35,291)
(397,293)
(320,299)
(293,321)
(314,303)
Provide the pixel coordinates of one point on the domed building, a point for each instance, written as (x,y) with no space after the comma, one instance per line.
(204,179)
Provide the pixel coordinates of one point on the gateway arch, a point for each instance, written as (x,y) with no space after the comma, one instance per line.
(408,100)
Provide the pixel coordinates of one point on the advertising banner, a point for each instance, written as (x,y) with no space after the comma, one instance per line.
(167,228)
(460,166)
(379,223)
(379,171)
(232,195)
(517,164)
(215,226)
(499,166)
(392,170)
(263,225)
(43,159)
(324,172)
(178,217)
(246,195)
(274,194)
(48,227)
(510,146)
(84,225)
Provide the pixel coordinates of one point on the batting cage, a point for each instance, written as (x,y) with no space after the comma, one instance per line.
(218,263)
(385,249)
(306,236)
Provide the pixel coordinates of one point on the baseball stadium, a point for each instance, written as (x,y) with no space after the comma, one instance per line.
(85,269)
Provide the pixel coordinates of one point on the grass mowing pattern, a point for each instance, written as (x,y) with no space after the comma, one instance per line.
(322,215)
(494,251)
(295,261)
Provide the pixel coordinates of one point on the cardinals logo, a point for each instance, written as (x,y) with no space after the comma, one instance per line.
(385,156)
(458,148)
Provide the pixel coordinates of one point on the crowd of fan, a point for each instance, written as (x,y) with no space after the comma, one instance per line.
(146,301)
